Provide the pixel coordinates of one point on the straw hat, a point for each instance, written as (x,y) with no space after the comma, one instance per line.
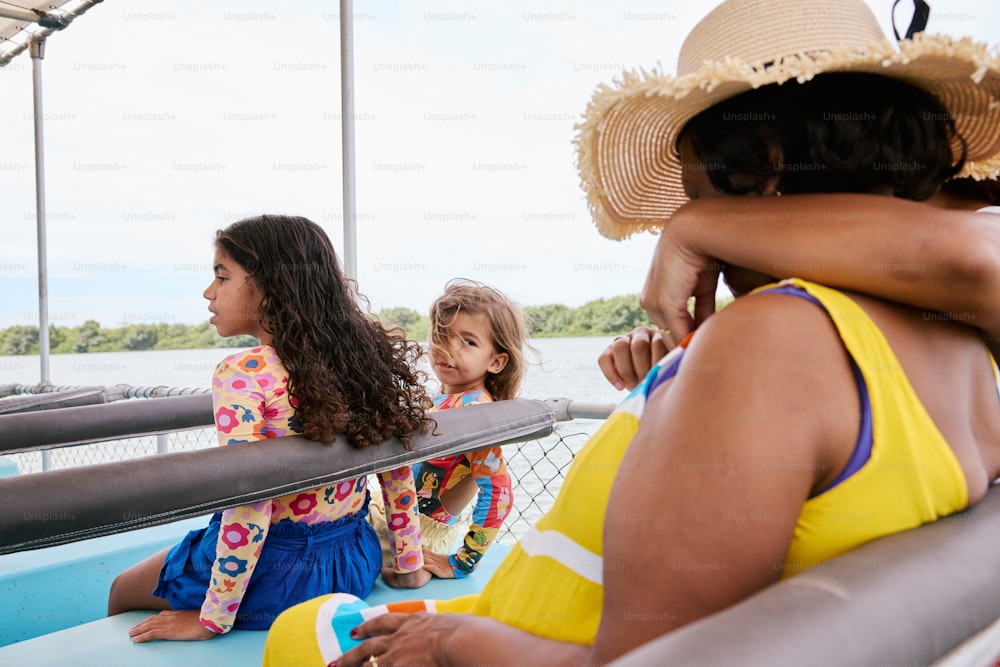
(627,139)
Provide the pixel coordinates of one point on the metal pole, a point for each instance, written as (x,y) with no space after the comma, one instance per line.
(347,137)
(37,50)
(19,14)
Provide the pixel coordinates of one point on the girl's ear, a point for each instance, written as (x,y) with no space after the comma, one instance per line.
(498,363)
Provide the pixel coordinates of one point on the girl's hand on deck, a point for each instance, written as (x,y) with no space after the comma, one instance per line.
(438,564)
(405,579)
(178,625)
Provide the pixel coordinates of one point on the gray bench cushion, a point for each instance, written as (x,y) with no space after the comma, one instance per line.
(59,506)
(907,599)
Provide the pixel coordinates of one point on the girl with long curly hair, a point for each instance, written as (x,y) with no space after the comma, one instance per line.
(324,369)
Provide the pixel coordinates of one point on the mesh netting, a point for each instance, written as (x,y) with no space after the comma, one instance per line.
(537,469)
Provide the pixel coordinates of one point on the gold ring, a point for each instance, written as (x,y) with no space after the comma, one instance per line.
(373,660)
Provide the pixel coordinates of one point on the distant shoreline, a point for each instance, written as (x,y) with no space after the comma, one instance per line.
(600,317)
(230,344)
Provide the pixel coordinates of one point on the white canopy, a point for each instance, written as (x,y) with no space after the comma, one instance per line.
(22,19)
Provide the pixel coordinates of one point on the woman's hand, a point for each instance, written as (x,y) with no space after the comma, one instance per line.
(627,360)
(431,640)
(438,564)
(178,625)
(403,639)
(405,579)
(677,273)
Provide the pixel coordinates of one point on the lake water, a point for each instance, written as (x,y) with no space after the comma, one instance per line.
(567,369)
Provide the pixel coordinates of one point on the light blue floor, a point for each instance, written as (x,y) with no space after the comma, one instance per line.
(45,590)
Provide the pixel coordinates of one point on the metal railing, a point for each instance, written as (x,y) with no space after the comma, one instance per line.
(537,467)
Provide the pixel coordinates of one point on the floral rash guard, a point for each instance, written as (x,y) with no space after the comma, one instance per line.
(251,402)
(488,468)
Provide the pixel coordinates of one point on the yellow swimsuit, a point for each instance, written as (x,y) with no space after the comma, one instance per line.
(550,583)
(911,476)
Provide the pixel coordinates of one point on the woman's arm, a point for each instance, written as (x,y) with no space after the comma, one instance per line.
(705,504)
(913,253)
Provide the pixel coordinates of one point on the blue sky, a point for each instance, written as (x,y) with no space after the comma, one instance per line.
(167,120)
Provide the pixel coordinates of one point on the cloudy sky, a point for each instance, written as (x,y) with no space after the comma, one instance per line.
(167,120)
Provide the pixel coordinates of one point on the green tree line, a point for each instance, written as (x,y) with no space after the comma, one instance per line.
(92,337)
(601,317)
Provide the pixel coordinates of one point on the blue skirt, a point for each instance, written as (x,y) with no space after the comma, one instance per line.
(297,563)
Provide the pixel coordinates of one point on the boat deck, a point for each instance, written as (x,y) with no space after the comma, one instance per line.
(53,602)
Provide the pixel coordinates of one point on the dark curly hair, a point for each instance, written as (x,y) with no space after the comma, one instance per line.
(839,132)
(347,373)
